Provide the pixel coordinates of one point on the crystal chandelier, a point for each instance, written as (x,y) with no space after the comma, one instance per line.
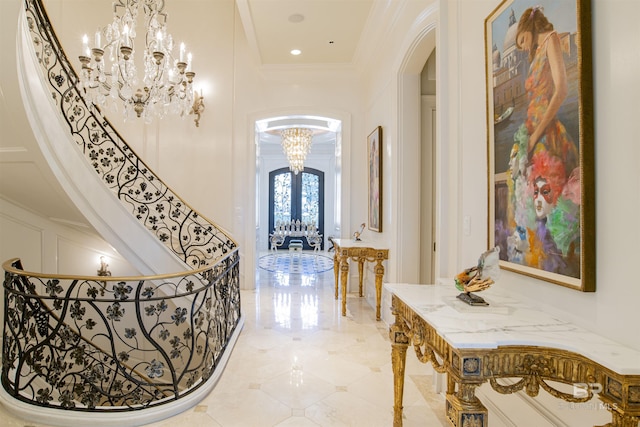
(109,72)
(296,143)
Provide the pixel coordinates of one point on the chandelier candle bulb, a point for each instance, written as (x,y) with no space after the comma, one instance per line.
(97,39)
(126,41)
(296,143)
(181,52)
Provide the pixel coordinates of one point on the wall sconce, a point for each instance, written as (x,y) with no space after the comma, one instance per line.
(102,272)
(198,106)
(104,267)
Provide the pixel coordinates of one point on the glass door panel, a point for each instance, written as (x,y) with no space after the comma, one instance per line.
(296,197)
(281,198)
(310,199)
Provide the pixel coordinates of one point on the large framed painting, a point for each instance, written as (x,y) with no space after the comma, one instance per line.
(540,139)
(374,141)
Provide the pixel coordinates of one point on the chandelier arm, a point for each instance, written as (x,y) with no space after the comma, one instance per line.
(116,5)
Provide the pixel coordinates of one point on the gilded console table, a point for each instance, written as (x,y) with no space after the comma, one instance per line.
(360,252)
(474,345)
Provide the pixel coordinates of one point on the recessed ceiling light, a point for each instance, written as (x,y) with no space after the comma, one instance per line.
(296,52)
(296,17)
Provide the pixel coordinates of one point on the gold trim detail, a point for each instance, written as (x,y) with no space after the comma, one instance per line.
(360,255)
(534,367)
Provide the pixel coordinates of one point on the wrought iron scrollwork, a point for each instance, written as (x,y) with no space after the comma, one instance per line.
(144,343)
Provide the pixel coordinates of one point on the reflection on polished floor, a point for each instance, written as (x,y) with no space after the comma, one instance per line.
(299,363)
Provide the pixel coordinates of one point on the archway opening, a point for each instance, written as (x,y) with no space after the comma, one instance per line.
(324,157)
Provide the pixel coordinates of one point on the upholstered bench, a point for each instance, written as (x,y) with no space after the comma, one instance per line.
(295,245)
(295,249)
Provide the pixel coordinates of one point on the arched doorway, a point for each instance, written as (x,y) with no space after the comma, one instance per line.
(328,153)
(418,158)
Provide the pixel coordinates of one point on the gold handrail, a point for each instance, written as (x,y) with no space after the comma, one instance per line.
(8,267)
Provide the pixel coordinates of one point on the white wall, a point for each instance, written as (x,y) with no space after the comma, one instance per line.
(393,102)
(46,246)
(612,309)
(462,161)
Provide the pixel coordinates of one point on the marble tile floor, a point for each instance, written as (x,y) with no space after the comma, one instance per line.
(298,362)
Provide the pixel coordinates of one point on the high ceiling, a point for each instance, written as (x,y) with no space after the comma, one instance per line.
(325,31)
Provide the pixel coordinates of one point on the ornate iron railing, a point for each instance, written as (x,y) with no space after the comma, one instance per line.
(194,239)
(115,344)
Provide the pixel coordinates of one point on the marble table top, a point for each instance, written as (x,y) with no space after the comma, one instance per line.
(508,322)
(350,243)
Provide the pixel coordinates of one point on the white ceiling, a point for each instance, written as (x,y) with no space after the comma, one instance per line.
(326,31)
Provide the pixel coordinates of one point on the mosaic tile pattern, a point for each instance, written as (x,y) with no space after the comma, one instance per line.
(296,263)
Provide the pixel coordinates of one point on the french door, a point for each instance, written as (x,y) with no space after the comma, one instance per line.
(296,197)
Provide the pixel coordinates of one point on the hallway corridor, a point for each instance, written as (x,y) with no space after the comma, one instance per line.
(299,363)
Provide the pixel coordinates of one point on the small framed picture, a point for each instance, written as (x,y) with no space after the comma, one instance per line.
(374,141)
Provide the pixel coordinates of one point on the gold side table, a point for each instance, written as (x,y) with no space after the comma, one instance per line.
(359,252)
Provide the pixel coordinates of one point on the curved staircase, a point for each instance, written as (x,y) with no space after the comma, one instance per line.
(112,350)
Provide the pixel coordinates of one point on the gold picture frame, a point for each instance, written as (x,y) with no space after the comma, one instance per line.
(374,142)
(541,165)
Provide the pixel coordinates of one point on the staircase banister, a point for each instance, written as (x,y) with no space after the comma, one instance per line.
(8,266)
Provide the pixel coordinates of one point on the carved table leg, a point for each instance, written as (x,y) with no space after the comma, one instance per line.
(621,420)
(464,408)
(399,344)
(361,262)
(344,274)
(379,270)
(336,269)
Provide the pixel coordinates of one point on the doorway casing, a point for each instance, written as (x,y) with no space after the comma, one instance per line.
(340,125)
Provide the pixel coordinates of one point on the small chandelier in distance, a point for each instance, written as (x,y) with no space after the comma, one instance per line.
(109,71)
(296,143)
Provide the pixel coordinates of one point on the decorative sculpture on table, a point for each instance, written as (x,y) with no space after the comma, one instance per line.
(479,277)
(357,234)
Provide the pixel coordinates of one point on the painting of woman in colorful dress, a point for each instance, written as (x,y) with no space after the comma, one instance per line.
(537,163)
